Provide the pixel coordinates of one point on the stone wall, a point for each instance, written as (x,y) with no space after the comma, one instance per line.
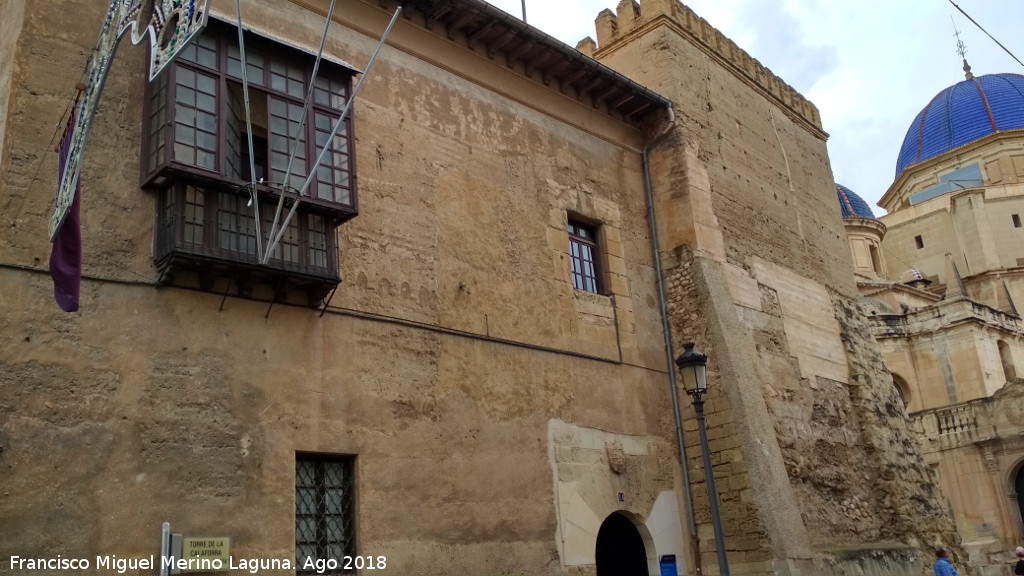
(11,15)
(977,450)
(816,470)
(452,344)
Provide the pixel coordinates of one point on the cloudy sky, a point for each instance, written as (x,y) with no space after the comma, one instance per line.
(869,65)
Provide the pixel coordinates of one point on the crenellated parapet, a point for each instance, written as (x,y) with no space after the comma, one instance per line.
(632,17)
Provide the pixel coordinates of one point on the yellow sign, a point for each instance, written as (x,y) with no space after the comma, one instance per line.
(205,554)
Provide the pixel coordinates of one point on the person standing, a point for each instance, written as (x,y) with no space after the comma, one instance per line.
(942,566)
(1018,570)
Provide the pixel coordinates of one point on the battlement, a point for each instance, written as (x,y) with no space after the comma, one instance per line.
(630,16)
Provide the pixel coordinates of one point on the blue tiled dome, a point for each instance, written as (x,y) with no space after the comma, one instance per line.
(963,113)
(851,205)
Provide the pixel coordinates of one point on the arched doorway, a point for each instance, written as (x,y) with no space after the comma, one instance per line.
(620,548)
(901,389)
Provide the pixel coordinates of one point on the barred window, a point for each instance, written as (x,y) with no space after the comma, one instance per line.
(583,254)
(324,510)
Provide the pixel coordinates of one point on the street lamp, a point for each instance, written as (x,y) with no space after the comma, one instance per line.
(693,368)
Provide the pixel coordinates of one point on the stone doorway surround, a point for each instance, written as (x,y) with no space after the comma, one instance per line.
(597,474)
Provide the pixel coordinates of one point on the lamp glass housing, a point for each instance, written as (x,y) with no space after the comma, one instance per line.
(693,369)
(695,379)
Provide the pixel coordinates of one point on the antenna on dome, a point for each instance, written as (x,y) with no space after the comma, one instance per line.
(961,49)
(986,33)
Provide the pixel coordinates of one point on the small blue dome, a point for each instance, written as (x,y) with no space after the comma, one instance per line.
(851,205)
(963,113)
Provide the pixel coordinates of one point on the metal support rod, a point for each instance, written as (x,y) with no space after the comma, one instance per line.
(667,334)
(302,126)
(254,197)
(330,139)
(524,11)
(165,548)
(709,480)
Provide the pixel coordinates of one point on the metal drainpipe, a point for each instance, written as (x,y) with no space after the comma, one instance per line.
(669,356)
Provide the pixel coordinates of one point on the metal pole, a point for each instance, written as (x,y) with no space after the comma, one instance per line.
(165,548)
(334,133)
(709,479)
(524,11)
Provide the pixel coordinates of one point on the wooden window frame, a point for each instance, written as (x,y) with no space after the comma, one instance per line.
(177,232)
(159,131)
(583,238)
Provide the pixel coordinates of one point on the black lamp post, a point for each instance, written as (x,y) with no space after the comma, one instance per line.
(693,368)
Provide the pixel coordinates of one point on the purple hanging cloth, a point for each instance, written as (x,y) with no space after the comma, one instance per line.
(66,257)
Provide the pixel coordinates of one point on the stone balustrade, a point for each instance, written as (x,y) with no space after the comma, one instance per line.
(950,425)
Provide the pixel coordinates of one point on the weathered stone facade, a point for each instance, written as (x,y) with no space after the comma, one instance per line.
(941,298)
(819,470)
(496,415)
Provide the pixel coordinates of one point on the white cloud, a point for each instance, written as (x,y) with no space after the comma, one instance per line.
(869,65)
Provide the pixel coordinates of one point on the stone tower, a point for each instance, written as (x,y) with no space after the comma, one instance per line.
(814,462)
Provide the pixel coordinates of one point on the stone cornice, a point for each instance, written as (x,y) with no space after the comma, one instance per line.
(948,313)
(882,287)
(869,223)
(895,194)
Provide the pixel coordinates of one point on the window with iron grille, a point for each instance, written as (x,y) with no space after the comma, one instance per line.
(324,510)
(584,257)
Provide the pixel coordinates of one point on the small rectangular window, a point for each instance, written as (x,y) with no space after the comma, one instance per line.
(1016,220)
(583,254)
(919,241)
(876,259)
(324,510)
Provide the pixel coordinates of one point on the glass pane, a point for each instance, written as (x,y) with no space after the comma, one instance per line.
(188,52)
(207,85)
(320,96)
(206,102)
(185,114)
(278,83)
(278,107)
(335,529)
(185,96)
(335,551)
(206,160)
(207,141)
(184,134)
(186,77)
(305,552)
(184,153)
(208,58)
(207,121)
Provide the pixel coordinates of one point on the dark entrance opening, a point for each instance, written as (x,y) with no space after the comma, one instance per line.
(620,548)
(1018,487)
